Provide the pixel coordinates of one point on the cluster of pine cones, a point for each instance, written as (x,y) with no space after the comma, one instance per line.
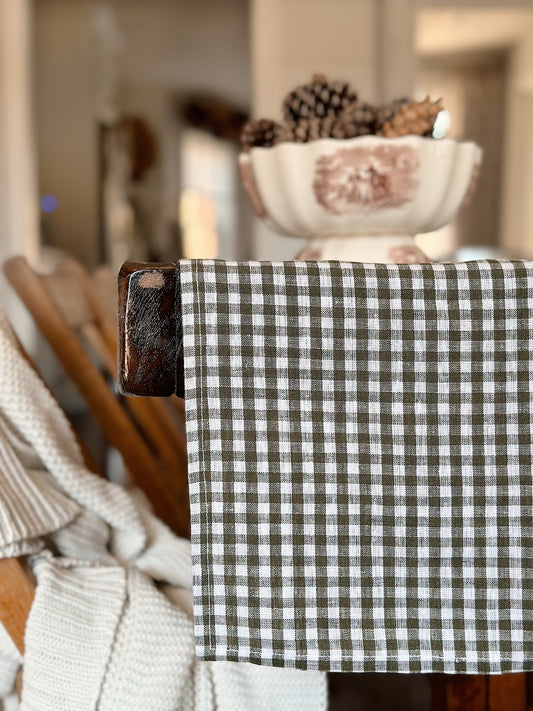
(331,109)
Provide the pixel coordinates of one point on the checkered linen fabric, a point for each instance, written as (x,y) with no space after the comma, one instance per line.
(360,445)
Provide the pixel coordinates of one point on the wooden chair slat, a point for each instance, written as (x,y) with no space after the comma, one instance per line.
(159,482)
(16,596)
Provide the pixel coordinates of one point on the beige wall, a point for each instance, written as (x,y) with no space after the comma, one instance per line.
(19,233)
(66,123)
(291,40)
(517,218)
(18,189)
(166,45)
(507,26)
(186,44)
(474,3)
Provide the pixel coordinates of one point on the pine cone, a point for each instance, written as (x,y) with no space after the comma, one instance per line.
(306,130)
(416,118)
(385,112)
(319,98)
(357,119)
(259,133)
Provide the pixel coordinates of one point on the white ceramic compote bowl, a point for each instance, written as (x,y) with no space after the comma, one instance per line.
(361,199)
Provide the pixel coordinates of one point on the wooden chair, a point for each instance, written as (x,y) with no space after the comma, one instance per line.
(159,306)
(16,596)
(95,318)
(104,286)
(71,317)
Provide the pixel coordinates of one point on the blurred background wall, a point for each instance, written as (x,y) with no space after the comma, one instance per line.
(118,117)
(19,211)
(96,62)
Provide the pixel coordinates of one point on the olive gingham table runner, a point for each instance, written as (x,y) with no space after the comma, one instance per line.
(360,451)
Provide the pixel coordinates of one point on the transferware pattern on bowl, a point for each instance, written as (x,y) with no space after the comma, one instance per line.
(360,186)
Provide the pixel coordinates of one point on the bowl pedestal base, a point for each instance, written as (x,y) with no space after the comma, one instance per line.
(381,249)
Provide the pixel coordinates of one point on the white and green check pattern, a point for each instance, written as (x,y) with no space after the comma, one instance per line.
(360,457)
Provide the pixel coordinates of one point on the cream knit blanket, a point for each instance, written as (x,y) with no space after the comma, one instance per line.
(110,627)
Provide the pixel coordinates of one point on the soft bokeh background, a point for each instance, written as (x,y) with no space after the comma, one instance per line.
(118,118)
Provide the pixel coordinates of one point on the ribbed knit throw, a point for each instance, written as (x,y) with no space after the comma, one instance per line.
(360,443)
(110,627)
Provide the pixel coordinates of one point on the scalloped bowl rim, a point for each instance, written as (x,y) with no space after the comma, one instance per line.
(406,218)
(292,146)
